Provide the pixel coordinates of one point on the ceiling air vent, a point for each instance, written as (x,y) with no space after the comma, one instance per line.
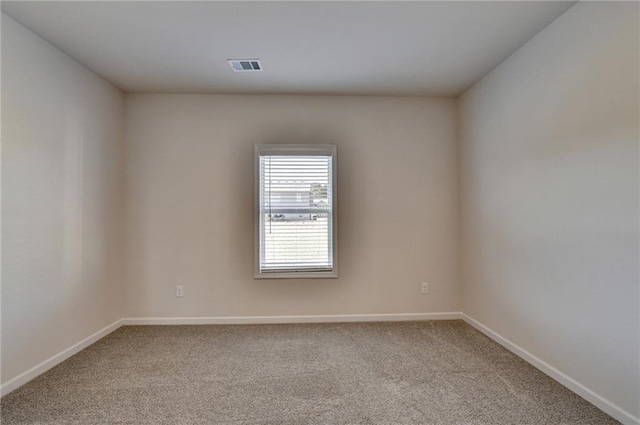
(245,65)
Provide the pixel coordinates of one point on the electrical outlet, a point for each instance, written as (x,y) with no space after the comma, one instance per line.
(425,287)
(179,291)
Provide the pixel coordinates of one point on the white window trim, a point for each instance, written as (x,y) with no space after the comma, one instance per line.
(286,149)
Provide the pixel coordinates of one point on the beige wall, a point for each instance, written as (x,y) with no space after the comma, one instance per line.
(190,204)
(549,160)
(61,199)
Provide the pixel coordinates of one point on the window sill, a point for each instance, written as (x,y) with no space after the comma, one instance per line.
(297,275)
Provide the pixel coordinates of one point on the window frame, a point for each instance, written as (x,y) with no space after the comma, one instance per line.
(292,150)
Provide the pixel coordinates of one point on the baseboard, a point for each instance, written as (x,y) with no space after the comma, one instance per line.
(250,320)
(602,403)
(32,373)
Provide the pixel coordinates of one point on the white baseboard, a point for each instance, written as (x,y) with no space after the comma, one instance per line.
(35,371)
(250,320)
(602,403)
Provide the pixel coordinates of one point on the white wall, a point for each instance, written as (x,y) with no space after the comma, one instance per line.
(190,204)
(61,201)
(549,160)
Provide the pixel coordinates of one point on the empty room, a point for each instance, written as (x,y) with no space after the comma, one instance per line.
(320,212)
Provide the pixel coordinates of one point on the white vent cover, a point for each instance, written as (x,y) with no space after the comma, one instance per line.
(245,65)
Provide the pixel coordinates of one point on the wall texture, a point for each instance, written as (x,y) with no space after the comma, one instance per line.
(61,201)
(549,160)
(189,204)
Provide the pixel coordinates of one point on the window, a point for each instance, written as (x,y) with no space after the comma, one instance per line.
(295,214)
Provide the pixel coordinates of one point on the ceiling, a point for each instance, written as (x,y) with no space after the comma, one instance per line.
(377,48)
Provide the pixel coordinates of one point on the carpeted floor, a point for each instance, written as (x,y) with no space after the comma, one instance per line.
(437,373)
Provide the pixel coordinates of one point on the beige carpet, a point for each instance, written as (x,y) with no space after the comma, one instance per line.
(441,372)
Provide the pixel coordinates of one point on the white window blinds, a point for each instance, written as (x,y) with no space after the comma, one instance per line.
(296,221)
